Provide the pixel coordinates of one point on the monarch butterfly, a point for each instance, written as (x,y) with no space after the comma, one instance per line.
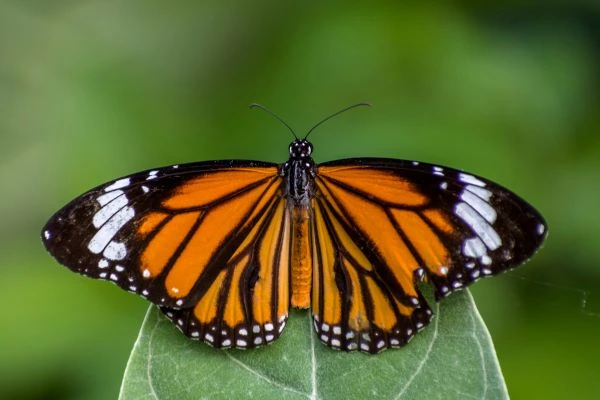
(224,248)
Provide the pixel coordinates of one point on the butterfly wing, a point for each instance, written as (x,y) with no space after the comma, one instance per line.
(382,226)
(205,241)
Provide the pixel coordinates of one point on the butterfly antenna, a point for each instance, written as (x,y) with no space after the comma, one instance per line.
(335,114)
(265,109)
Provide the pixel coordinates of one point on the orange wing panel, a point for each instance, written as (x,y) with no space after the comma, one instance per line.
(150,222)
(206,309)
(433,253)
(373,222)
(380,184)
(215,185)
(233,313)
(273,269)
(162,246)
(218,223)
(437,218)
(324,259)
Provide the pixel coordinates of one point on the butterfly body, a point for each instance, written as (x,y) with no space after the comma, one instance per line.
(224,248)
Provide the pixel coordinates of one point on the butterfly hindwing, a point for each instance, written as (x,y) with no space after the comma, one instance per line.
(403,223)
(246,304)
(356,304)
(201,240)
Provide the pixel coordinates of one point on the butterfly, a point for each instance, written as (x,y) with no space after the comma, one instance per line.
(225,248)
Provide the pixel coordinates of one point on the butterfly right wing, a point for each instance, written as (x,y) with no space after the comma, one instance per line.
(383,226)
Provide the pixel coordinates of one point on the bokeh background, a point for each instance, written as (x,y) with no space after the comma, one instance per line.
(92,90)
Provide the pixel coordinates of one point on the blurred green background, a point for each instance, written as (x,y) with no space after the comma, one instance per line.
(92,90)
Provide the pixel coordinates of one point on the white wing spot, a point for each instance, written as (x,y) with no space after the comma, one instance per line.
(444,185)
(103,263)
(479,191)
(121,183)
(146,273)
(110,229)
(152,175)
(115,251)
(145,188)
(466,178)
(47,234)
(481,206)
(119,268)
(540,229)
(474,248)
(486,260)
(108,197)
(479,225)
(109,210)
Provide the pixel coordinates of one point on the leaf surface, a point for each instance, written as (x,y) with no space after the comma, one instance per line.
(452,358)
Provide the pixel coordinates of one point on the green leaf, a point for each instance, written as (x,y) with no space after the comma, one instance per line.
(452,358)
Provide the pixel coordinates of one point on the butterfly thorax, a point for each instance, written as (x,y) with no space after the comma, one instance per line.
(298,173)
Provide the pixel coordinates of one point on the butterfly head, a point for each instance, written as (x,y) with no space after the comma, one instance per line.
(300,148)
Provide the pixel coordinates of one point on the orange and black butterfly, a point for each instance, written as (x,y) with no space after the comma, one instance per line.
(224,248)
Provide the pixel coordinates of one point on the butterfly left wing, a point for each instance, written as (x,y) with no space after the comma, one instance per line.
(205,241)
(382,226)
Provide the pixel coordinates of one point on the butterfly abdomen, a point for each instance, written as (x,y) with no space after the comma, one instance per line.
(301,257)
